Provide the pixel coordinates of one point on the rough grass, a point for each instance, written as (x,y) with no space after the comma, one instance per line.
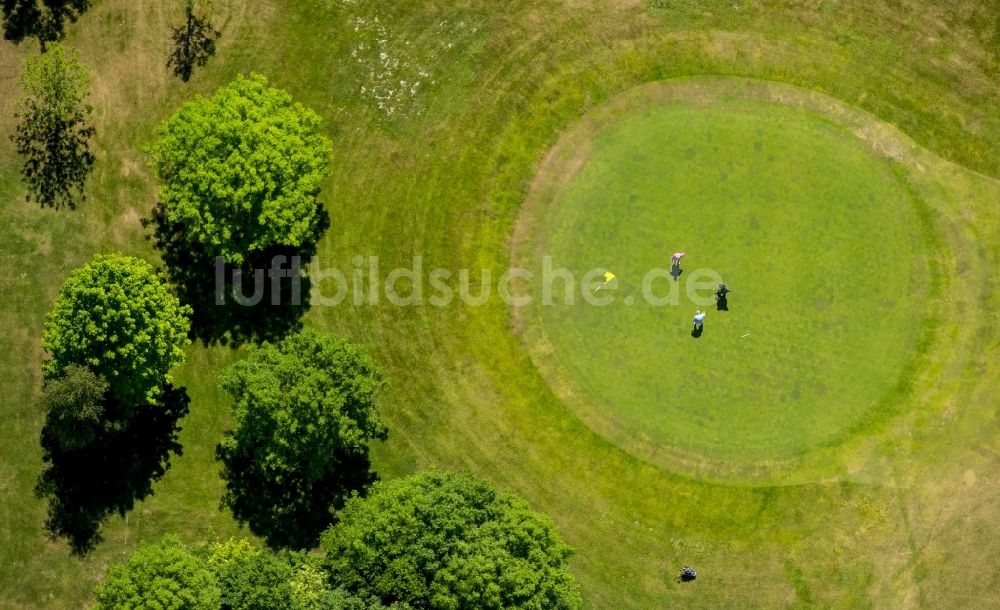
(906,526)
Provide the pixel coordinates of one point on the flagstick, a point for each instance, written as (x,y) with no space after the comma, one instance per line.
(603,285)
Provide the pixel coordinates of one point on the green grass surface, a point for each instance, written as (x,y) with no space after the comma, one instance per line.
(816,234)
(903,516)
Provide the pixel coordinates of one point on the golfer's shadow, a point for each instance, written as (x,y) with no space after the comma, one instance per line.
(721,304)
(675,272)
(696,331)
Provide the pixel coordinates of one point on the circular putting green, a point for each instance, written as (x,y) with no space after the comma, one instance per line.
(815,233)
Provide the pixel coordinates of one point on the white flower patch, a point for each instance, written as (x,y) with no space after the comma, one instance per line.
(390,78)
(394,72)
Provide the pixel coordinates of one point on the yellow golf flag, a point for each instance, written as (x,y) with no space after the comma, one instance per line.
(608,276)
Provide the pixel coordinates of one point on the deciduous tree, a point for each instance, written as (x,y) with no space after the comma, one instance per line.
(53,133)
(240,171)
(251,578)
(115,316)
(111,412)
(449,541)
(166,576)
(232,575)
(74,407)
(304,411)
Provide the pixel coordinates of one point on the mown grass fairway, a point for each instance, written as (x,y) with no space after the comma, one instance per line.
(901,516)
(817,235)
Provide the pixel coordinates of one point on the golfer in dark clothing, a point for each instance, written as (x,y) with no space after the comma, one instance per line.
(722,291)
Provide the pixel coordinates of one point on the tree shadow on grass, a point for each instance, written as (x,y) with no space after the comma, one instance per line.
(194,43)
(263,299)
(86,485)
(285,513)
(44,19)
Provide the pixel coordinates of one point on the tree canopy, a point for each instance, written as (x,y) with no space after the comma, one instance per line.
(304,410)
(115,316)
(429,541)
(241,170)
(166,576)
(250,578)
(74,407)
(449,541)
(111,412)
(52,133)
(231,575)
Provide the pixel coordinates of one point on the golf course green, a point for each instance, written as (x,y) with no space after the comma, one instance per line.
(819,239)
